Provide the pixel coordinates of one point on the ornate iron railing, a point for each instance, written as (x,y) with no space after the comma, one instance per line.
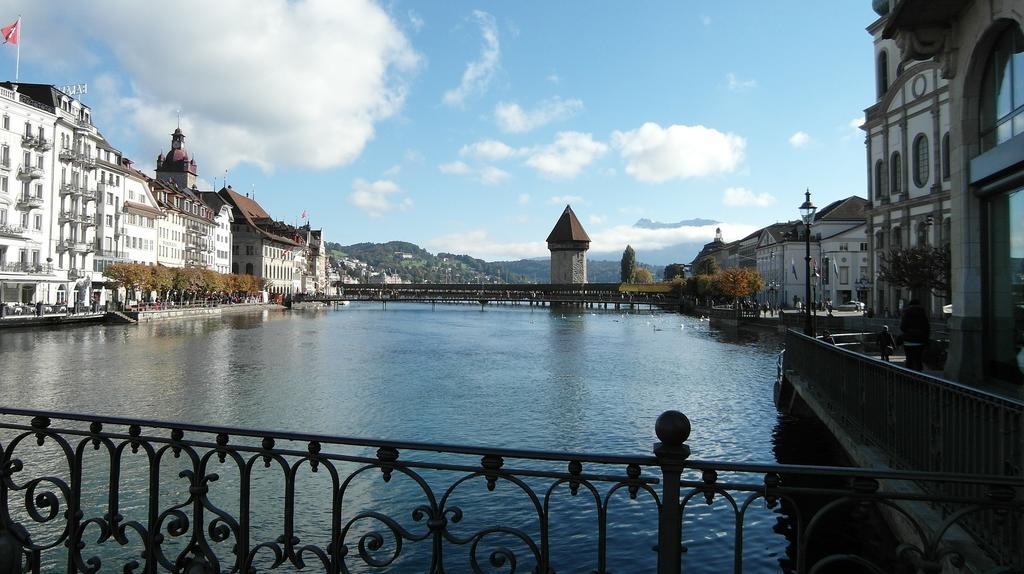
(84,493)
(919,422)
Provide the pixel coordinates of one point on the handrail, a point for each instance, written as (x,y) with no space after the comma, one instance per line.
(183,530)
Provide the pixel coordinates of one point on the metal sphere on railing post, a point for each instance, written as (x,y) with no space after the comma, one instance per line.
(672,428)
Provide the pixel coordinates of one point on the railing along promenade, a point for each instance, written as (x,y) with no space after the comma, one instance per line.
(586,293)
(85,493)
(920,422)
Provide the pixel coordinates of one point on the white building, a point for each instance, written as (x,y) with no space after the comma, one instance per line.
(140,220)
(908,164)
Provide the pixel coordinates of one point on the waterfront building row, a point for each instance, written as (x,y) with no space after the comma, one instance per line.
(71,205)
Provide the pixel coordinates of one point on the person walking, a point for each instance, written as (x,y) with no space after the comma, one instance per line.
(886,343)
(915,331)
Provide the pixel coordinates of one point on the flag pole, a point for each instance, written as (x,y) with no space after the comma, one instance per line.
(17,58)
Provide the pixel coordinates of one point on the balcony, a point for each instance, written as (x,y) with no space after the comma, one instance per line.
(12,230)
(73,190)
(29,141)
(85,161)
(194,230)
(26,202)
(83,247)
(86,219)
(43,144)
(27,268)
(111,254)
(28,172)
(67,154)
(66,217)
(65,245)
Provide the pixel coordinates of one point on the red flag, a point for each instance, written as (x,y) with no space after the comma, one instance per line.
(303,214)
(11,32)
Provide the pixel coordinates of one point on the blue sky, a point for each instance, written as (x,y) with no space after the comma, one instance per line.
(467,127)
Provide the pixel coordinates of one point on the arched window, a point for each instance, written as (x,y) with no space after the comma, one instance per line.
(880,178)
(248,268)
(945,156)
(234,268)
(922,233)
(897,238)
(883,73)
(879,239)
(895,174)
(921,160)
(1002,90)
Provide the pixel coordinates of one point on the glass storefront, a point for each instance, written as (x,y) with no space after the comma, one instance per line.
(1005,313)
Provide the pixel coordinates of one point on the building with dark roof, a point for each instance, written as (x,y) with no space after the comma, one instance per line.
(270,250)
(568,243)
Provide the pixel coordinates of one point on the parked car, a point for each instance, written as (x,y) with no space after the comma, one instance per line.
(851,306)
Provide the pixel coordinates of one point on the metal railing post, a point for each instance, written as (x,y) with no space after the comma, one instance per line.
(673,428)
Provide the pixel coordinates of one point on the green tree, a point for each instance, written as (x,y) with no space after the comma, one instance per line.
(628,265)
(922,268)
(707,265)
(674,270)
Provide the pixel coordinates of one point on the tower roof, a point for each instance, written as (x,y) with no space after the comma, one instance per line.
(568,228)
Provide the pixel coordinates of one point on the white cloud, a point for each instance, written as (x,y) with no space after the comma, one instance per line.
(655,154)
(253,89)
(616,238)
(375,197)
(554,79)
(478,73)
(855,123)
(491,175)
(393,170)
(743,197)
(416,21)
(738,85)
(799,139)
(597,219)
(490,150)
(511,118)
(455,168)
(523,198)
(566,200)
(567,156)
(478,243)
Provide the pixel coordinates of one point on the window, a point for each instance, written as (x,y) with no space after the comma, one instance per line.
(844,275)
(37,224)
(234,250)
(896,174)
(921,160)
(110,198)
(24,220)
(3,217)
(945,156)
(249,251)
(3,183)
(897,238)
(883,73)
(110,221)
(1002,90)
(248,268)
(7,122)
(39,190)
(1005,325)
(28,129)
(922,233)
(844,246)
(5,155)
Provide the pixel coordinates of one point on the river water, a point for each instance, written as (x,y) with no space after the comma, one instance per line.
(521,377)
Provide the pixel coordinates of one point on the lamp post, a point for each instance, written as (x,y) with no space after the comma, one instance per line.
(807,210)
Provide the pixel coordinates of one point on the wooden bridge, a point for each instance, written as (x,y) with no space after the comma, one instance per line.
(594,295)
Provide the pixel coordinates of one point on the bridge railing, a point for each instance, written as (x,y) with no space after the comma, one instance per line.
(84,493)
(920,422)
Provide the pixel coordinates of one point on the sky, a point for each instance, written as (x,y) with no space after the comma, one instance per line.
(467,127)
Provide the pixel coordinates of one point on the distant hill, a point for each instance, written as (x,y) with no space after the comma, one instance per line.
(648,224)
(417,265)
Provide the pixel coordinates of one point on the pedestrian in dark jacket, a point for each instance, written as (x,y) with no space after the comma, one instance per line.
(886,343)
(915,330)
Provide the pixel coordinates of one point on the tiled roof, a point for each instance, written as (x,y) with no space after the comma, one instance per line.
(568,228)
(850,208)
(244,204)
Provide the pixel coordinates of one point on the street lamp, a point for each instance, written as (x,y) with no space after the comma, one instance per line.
(807,210)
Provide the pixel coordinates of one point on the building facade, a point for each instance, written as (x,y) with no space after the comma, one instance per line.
(263,248)
(979,50)
(908,142)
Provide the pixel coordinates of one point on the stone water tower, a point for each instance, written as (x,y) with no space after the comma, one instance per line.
(568,243)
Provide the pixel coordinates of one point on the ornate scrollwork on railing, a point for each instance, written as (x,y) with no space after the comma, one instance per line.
(91,494)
